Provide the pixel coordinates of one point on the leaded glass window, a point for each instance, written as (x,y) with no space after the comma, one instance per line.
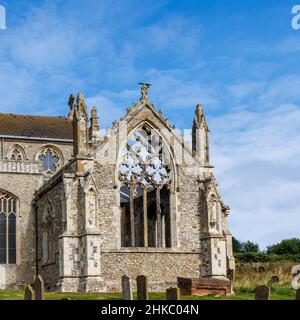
(50,159)
(7,228)
(144,172)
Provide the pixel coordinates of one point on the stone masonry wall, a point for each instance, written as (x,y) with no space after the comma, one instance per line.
(50,270)
(161,268)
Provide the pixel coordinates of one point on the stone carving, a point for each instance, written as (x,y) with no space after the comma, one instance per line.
(144,91)
(91,207)
(262,292)
(28,167)
(142,287)
(39,288)
(126,288)
(213,209)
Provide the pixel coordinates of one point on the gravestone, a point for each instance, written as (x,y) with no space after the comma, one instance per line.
(29,293)
(262,293)
(142,287)
(39,288)
(126,288)
(261,269)
(298,294)
(275,279)
(173,293)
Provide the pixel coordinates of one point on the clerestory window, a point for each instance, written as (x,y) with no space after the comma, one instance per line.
(50,159)
(16,154)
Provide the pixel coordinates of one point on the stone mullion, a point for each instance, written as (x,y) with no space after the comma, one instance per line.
(163,228)
(132,222)
(172,221)
(7,244)
(158,217)
(145,218)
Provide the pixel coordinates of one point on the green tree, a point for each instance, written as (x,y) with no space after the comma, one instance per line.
(236,245)
(249,246)
(291,246)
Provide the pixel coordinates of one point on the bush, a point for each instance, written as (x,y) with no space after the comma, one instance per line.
(287,246)
(242,247)
(265,257)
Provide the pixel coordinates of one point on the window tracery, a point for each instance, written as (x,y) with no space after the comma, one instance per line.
(8,208)
(50,159)
(16,154)
(145,177)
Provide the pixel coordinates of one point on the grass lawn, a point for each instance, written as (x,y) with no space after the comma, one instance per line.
(279,293)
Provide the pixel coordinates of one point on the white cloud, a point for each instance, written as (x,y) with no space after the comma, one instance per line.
(256,157)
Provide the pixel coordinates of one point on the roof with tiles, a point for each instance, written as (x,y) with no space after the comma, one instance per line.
(35,126)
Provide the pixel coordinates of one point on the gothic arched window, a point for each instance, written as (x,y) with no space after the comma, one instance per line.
(8,207)
(50,159)
(144,173)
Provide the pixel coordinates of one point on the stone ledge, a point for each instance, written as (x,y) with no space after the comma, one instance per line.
(152,250)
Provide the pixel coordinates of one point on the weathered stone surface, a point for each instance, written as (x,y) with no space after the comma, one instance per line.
(142,287)
(204,286)
(173,293)
(28,293)
(39,288)
(262,292)
(126,288)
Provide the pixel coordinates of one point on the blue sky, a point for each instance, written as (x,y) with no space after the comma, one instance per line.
(240,59)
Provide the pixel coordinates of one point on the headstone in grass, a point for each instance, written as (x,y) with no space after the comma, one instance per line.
(275,279)
(142,287)
(262,292)
(126,288)
(173,293)
(29,293)
(261,269)
(39,288)
(298,294)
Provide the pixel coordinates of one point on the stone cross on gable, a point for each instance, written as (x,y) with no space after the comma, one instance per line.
(144,91)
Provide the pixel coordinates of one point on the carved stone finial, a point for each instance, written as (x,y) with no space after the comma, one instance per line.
(80,100)
(94,126)
(199,110)
(199,116)
(144,91)
(115,124)
(71,101)
(94,112)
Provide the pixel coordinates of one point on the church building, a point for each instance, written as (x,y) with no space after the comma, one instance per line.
(82,208)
